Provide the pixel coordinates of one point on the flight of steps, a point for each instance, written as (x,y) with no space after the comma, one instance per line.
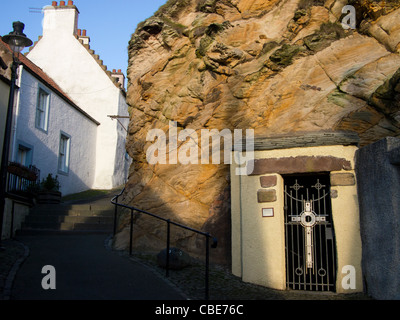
(86,217)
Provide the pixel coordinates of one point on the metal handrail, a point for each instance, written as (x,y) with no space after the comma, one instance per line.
(20,178)
(214,244)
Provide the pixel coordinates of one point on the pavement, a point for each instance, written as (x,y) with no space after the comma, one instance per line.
(85,269)
(88,269)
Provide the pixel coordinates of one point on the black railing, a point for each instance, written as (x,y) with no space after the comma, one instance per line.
(21,182)
(169,223)
(21,179)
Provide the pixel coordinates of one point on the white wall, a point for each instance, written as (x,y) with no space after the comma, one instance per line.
(60,54)
(122,163)
(64,20)
(62,117)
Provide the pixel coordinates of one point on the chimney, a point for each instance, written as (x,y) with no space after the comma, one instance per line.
(83,37)
(120,76)
(60,20)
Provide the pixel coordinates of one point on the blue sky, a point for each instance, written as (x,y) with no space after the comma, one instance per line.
(109,24)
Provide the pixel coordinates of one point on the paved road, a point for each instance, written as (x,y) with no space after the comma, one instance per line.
(85,270)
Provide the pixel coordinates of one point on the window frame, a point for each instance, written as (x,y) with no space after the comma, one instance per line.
(45,126)
(29,153)
(64,155)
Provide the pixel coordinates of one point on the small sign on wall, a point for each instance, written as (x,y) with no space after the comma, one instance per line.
(267,212)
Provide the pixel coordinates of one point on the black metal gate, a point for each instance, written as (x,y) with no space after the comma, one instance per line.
(309,234)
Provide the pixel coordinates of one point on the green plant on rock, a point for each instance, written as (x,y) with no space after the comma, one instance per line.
(209,36)
(267,47)
(207,6)
(172,8)
(178,27)
(305,4)
(284,55)
(321,39)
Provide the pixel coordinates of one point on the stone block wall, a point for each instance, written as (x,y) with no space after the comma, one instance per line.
(378,180)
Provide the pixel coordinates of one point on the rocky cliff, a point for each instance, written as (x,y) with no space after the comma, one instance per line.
(276,66)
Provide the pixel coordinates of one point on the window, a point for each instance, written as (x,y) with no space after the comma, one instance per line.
(24,155)
(42,110)
(63,155)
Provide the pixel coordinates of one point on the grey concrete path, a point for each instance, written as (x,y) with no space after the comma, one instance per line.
(85,270)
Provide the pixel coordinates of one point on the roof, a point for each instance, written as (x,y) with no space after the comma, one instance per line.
(84,40)
(96,57)
(302,139)
(39,74)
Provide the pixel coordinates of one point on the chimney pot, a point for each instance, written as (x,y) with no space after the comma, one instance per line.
(54,3)
(84,32)
(70,3)
(114,71)
(119,71)
(62,3)
(79,32)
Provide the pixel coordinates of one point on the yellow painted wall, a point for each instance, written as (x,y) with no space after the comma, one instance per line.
(258,243)
(346,222)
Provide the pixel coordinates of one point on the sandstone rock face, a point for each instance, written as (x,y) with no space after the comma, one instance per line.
(275,66)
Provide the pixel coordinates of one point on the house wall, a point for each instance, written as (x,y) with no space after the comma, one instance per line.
(4,94)
(122,160)
(258,243)
(13,218)
(60,54)
(62,118)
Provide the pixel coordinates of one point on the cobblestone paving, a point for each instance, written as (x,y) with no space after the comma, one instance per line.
(10,252)
(225,286)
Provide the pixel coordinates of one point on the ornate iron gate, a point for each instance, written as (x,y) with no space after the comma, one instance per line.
(310,244)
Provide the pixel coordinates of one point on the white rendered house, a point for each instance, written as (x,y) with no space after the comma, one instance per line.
(63,52)
(51,132)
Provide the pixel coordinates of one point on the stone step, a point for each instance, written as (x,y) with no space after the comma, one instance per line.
(96,216)
(69,218)
(29,232)
(67,226)
(73,210)
(86,206)
(77,213)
